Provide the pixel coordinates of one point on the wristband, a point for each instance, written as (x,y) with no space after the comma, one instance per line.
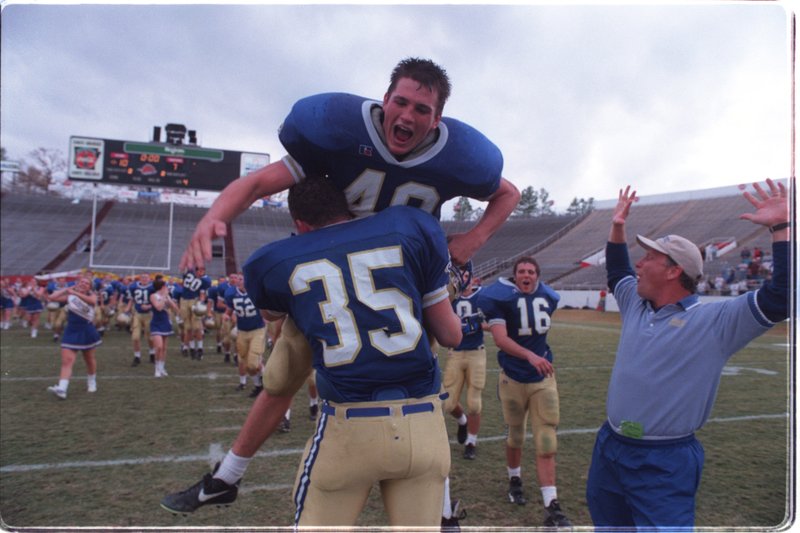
(780,226)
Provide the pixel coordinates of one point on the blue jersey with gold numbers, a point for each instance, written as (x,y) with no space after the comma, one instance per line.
(466,307)
(527,319)
(333,135)
(248,317)
(357,290)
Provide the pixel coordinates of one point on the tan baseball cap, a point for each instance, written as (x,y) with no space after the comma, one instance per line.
(681,250)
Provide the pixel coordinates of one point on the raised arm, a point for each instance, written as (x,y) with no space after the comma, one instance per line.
(234,200)
(621,211)
(464,245)
(772,209)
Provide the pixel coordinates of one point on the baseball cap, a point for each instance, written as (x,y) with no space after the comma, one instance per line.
(681,250)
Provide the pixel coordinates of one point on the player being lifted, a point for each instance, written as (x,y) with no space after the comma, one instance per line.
(400,151)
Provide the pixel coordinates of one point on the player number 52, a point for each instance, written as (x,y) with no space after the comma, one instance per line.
(335,310)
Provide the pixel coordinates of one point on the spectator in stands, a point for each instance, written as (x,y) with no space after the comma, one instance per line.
(80,335)
(647,463)
(745,255)
(754,269)
(702,286)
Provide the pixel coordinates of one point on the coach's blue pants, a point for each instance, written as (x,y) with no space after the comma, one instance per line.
(643,483)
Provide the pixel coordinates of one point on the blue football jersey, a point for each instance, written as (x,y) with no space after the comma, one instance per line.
(222,289)
(357,290)
(176,291)
(193,285)
(466,307)
(248,317)
(141,295)
(333,135)
(527,318)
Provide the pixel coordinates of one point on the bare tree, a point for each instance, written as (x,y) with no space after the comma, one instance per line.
(38,174)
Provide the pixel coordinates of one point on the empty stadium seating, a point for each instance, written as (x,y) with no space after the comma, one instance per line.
(37,229)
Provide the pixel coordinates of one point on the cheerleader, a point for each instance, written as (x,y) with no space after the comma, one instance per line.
(160,325)
(7,301)
(31,302)
(80,334)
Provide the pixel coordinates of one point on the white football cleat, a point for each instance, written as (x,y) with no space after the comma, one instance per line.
(61,393)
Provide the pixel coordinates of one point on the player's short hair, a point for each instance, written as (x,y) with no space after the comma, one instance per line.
(425,72)
(317,202)
(527,259)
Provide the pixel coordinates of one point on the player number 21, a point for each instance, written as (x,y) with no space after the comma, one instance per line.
(334,309)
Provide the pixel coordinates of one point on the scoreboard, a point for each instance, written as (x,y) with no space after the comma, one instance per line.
(155,164)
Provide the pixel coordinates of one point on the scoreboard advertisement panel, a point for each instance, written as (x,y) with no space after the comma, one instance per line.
(158,164)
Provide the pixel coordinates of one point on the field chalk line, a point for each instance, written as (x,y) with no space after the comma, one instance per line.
(216,451)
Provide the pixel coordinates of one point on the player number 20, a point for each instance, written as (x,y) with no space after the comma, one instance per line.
(335,309)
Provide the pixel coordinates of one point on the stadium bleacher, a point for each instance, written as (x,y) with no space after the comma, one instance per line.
(133,237)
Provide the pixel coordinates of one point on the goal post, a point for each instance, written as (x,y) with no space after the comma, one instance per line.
(93,240)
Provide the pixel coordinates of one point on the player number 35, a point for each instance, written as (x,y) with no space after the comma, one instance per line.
(334,309)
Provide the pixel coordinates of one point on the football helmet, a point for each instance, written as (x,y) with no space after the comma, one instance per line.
(209,322)
(199,308)
(124,319)
(53,306)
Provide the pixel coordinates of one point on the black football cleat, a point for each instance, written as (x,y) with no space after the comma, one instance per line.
(554,517)
(469,452)
(461,436)
(207,491)
(451,525)
(515,494)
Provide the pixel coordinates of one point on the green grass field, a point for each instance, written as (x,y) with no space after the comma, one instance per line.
(106,460)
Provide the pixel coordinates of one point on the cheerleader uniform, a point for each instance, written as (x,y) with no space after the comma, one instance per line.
(80,333)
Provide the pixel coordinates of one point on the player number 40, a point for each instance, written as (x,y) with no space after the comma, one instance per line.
(334,308)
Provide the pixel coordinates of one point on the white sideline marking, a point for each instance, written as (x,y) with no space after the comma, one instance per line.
(215,448)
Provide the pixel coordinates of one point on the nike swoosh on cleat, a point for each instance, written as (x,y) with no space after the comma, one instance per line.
(203,497)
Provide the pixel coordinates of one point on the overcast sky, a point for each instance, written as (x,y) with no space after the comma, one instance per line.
(581,99)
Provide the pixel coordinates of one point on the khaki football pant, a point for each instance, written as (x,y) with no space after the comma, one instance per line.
(465,367)
(250,346)
(408,455)
(540,400)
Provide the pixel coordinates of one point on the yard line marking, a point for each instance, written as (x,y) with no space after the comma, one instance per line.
(214,448)
(211,376)
(271,487)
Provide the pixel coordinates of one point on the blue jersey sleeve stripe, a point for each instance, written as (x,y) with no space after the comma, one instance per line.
(294,168)
(434,297)
(756,310)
